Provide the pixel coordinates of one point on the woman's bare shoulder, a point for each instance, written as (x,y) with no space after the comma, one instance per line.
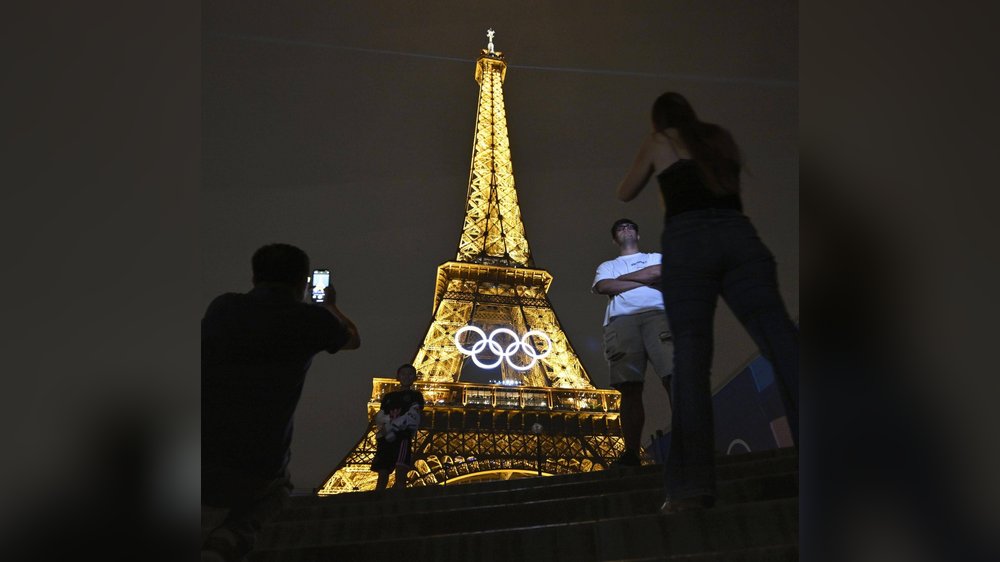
(666,148)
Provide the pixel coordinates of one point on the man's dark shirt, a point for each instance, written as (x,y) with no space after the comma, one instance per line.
(255,351)
(396,403)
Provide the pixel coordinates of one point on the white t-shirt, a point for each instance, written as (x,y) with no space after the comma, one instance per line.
(636,300)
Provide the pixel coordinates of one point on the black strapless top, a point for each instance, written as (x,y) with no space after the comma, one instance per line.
(683,190)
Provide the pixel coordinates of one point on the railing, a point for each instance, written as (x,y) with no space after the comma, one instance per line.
(503,397)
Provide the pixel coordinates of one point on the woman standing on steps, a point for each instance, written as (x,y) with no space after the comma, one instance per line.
(710,248)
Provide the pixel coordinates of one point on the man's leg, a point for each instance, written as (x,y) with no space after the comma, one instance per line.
(386,457)
(632,416)
(211,519)
(400,477)
(625,351)
(236,535)
(668,382)
(404,459)
(659,343)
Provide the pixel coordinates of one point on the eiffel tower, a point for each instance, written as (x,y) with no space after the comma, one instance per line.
(506,395)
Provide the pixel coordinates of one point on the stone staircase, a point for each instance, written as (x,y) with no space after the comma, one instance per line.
(598,516)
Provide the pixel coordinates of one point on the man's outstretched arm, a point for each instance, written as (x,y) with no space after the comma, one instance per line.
(330,303)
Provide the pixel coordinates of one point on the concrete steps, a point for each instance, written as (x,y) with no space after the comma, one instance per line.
(608,515)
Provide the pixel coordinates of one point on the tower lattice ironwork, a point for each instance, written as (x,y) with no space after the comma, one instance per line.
(540,414)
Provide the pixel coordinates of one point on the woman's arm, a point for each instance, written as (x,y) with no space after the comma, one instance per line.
(639,174)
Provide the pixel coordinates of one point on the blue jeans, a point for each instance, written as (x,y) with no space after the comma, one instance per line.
(707,254)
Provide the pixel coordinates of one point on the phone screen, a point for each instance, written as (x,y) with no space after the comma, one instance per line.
(320,281)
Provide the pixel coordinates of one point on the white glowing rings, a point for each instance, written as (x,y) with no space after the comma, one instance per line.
(522,344)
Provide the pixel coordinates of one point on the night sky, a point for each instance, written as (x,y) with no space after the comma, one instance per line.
(152,147)
(346,129)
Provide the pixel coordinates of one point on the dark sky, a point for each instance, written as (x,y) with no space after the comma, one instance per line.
(346,128)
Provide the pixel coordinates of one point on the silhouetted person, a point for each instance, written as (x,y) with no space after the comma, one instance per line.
(256,348)
(709,248)
(635,329)
(398,418)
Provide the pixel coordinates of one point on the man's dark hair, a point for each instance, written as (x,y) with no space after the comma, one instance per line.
(280,263)
(620,222)
(403,366)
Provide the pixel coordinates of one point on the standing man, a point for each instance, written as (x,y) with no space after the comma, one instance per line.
(256,348)
(635,329)
(398,419)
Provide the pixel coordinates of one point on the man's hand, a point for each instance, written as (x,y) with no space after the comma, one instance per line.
(331,294)
(354,339)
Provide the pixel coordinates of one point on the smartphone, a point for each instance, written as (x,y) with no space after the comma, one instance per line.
(320,281)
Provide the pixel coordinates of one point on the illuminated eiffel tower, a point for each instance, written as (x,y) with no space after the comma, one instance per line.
(506,395)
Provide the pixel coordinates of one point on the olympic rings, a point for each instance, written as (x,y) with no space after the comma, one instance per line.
(496,348)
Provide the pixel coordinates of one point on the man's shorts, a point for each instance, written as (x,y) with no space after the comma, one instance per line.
(632,340)
(392,454)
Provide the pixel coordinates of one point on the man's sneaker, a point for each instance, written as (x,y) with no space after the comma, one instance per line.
(627,458)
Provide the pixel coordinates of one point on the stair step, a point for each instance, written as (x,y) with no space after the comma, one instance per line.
(420,519)
(722,529)
(778,553)
(525,489)
(606,516)
(437,491)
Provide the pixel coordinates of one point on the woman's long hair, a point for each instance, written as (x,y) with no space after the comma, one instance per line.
(711,147)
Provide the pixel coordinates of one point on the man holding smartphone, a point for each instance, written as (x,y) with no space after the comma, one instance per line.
(256,348)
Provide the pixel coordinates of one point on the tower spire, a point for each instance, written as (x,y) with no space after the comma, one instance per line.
(492,233)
